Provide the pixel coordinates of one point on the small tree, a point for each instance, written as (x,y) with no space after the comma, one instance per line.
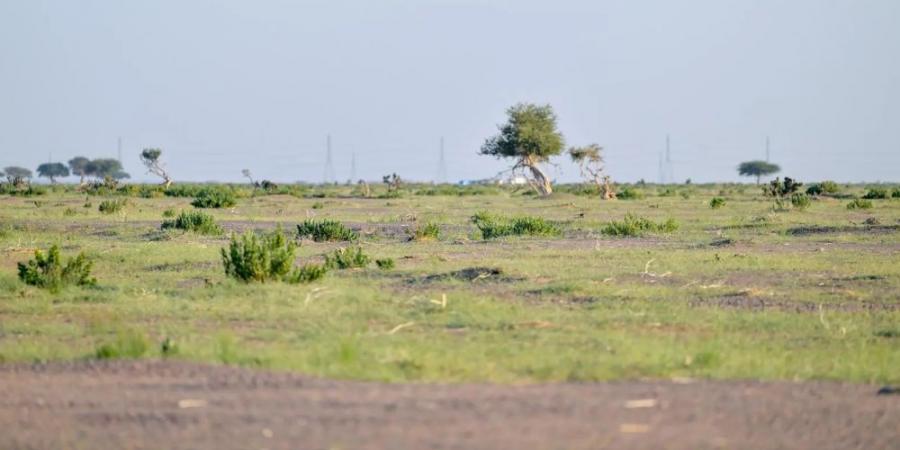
(529,137)
(150,158)
(17,176)
(52,170)
(78,166)
(246,173)
(105,168)
(590,163)
(757,169)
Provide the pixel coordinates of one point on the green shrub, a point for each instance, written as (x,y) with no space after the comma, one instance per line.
(112,206)
(385,264)
(876,194)
(194,221)
(169,213)
(127,344)
(318,205)
(633,226)
(214,198)
(306,274)
(492,226)
(800,201)
(427,231)
(859,203)
(823,188)
(49,272)
(254,258)
(326,230)
(895,193)
(630,194)
(347,258)
(717,202)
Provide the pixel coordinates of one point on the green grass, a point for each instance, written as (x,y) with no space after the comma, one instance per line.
(634,226)
(325,230)
(581,306)
(493,226)
(194,221)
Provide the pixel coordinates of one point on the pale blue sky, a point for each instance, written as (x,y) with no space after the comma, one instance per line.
(224,85)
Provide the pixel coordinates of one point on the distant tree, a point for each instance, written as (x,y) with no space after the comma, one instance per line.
(17,176)
(590,162)
(150,158)
(529,137)
(105,167)
(53,170)
(78,166)
(757,169)
(246,173)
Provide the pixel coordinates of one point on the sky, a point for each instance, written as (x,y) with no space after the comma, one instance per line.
(226,85)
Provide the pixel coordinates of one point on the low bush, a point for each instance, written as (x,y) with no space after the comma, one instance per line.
(347,258)
(169,213)
(385,264)
(128,344)
(214,198)
(633,226)
(823,188)
(194,221)
(492,226)
(258,258)
(800,201)
(326,230)
(426,231)
(860,203)
(876,194)
(717,202)
(895,193)
(629,193)
(306,274)
(49,272)
(112,206)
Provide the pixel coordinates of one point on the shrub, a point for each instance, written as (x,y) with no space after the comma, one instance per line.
(254,258)
(195,221)
(717,202)
(385,264)
(860,203)
(112,206)
(895,193)
(318,205)
(630,194)
(169,213)
(347,258)
(633,225)
(49,272)
(492,226)
(127,344)
(876,194)
(306,274)
(214,198)
(326,230)
(823,188)
(800,200)
(424,232)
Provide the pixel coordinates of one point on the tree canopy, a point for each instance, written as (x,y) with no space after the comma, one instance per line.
(17,172)
(52,171)
(757,169)
(105,167)
(150,159)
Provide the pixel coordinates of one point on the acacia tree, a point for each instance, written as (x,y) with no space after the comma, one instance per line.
(78,165)
(52,170)
(757,169)
(16,175)
(150,158)
(105,168)
(529,137)
(590,163)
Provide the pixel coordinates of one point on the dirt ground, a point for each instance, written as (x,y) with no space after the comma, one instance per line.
(167,405)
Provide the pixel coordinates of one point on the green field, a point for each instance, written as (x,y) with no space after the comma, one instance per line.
(741,291)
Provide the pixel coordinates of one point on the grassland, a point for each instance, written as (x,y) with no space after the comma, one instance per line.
(740,291)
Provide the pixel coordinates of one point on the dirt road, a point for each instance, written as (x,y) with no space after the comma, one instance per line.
(167,405)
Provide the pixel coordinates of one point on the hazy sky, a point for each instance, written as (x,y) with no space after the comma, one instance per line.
(230,84)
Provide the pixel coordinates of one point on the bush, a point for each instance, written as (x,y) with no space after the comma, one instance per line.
(630,194)
(876,194)
(50,273)
(717,202)
(195,221)
(112,206)
(326,230)
(347,258)
(800,201)
(823,188)
(633,226)
(428,231)
(306,274)
(895,193)
(127,344)
(492,226)
(860,203)
(214,198)
(253,258)
(385,264)
(169,213)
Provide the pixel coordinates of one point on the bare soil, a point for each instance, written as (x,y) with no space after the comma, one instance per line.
(164,404)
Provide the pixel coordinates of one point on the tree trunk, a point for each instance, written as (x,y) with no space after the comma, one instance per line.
(757,179)
(167,183)
(542,182)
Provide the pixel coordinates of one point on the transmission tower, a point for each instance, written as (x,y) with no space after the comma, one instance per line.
(767,149)
(442,165)
(670,169)
(353,167)
(329,165)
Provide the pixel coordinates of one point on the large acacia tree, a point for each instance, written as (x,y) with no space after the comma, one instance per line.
(78,166)
(757,169)
(52,170)
(105,167)
(150,159)
(530,138)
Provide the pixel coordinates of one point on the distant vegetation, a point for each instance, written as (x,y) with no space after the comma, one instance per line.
(325,230)
(194,221)
(634,226)
(757,169)
(494,226)
(49,272)
(211,197)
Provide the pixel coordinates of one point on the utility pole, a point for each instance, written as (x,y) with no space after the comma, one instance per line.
(329,165)
(353,167)
(767,149)
(119,149)
(442,165)
(670,170)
